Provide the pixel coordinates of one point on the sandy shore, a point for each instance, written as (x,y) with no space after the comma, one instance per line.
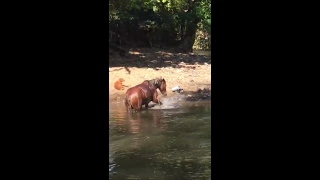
(190,72)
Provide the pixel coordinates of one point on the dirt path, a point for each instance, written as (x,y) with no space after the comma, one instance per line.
(190,72)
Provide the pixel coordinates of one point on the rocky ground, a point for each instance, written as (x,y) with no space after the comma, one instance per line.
(189,71)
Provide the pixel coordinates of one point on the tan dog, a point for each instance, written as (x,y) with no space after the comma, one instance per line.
(118,84)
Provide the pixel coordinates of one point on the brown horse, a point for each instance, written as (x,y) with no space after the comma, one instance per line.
(143,93)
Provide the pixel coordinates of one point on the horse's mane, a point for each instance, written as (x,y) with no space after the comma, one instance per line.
(154,82)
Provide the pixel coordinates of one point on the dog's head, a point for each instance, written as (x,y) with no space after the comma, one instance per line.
(121,80)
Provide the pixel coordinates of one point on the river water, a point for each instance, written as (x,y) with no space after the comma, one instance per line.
(172,141)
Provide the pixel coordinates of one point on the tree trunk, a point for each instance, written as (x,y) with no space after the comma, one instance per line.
(191,29)
(182,27)
(190,37)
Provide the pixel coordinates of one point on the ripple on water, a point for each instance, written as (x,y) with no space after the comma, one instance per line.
(161,143)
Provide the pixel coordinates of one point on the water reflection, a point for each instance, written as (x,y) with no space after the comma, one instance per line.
(160,144)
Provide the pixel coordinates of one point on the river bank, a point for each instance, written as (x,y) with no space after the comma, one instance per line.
(189,71)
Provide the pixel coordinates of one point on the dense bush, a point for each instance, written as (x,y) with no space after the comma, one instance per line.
(183,24)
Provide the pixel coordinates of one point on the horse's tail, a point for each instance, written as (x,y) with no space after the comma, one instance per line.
(127,102)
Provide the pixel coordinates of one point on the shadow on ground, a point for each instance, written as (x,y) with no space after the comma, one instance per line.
(158,58)
(199,95)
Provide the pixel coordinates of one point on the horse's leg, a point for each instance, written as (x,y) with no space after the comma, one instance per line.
(155,98)
(130,101)
(139,107)
(134,108)
(136,104)
(129,109)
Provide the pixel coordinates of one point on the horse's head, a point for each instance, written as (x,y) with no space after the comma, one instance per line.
(161,85)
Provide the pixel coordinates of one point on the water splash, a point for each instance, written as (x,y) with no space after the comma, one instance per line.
(172,102)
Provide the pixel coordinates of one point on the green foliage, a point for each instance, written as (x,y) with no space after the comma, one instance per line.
(167,19)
